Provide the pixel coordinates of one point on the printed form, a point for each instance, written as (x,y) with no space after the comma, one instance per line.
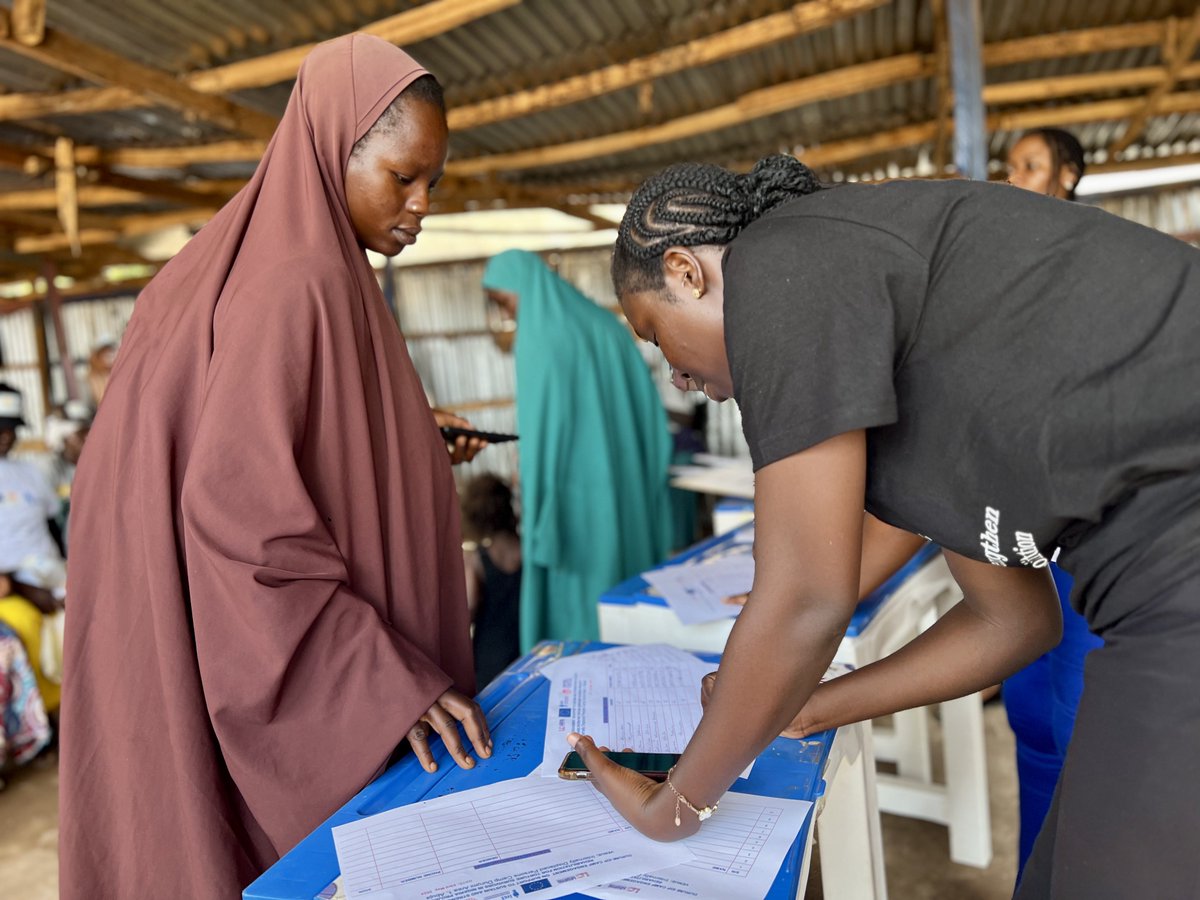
(646,698)
(525,837)
(737,852)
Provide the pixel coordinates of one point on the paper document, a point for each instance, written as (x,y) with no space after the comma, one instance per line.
(737,852)
(525,837)
(696,591)
(646,698)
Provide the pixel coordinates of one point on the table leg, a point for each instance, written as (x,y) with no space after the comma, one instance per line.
(848,830)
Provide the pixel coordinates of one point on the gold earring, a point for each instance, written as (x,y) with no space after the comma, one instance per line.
(696,293)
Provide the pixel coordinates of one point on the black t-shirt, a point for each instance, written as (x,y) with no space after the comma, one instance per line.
(1021,364)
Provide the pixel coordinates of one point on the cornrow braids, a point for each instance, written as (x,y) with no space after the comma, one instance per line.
(425,89)
(696,204)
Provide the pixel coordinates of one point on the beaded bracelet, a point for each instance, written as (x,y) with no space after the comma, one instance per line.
(701,814)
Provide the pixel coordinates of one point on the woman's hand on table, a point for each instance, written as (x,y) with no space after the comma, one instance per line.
(443,718)
(462,449)
(649,806)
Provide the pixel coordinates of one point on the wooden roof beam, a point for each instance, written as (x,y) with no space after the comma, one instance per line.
(126,227)
(1075,43)
(29,21)
(88,195)
(408,27)
(1178,47)
(837,153)
(88,61)
(801,18)
(753,105)
(405,28)
(1088,83)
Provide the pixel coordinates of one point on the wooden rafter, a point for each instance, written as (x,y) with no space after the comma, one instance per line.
(1075,43)
(801,18)
(89,195)
(66,189)
(1178,47)
(1040,89)
(407,27)
(70,54)
(126,227)
(237,76)
(29,21)
(753,105)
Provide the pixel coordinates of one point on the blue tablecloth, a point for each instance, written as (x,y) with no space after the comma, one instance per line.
(637,589)
(515,704)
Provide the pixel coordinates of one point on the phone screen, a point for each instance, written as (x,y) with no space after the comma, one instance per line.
(652,765)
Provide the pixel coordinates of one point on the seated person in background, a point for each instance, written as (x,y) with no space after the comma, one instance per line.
(65,430)
(29,557)
(492,560)
(24,727)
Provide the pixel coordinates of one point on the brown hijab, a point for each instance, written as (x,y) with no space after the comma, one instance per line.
(266,586)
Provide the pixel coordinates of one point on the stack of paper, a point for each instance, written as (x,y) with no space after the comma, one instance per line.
(697,591)
(534,837)
(545,837)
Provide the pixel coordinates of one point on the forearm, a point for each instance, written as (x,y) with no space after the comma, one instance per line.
(774,658)
(962,653)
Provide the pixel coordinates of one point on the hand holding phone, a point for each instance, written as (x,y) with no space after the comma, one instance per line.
(654,766)
(452,433)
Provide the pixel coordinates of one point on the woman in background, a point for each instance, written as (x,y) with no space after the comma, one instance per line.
(594,450)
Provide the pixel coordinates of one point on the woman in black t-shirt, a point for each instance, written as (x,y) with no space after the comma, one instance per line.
(1009,375)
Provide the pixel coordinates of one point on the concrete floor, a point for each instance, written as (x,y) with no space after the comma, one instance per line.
(918,865)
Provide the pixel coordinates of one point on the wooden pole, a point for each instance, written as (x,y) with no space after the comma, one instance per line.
(54,305)
(43,350)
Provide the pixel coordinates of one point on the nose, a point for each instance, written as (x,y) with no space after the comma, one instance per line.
(418,202)
(681,380)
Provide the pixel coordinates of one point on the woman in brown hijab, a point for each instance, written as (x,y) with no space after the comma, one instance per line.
(267,592)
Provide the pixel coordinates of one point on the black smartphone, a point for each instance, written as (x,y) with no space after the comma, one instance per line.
(654,766)
(451,433)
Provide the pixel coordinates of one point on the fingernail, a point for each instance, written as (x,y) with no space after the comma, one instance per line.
(470,763)
(572,739)
(432,767)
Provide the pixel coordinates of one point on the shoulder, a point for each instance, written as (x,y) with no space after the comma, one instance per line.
(299,290)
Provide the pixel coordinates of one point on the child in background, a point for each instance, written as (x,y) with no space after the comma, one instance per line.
(492,559)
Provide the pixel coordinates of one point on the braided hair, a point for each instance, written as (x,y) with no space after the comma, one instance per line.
(1065,150)
(695,204)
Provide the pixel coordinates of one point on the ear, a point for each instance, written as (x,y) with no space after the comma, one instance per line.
(1067,178)
(683,268)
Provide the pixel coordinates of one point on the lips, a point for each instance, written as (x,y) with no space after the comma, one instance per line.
(406,236)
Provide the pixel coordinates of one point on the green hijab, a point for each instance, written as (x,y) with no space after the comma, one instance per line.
(594,452)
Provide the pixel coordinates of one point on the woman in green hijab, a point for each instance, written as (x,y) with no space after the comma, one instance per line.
(594,450)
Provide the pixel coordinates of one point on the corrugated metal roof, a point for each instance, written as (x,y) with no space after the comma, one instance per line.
(536,42)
